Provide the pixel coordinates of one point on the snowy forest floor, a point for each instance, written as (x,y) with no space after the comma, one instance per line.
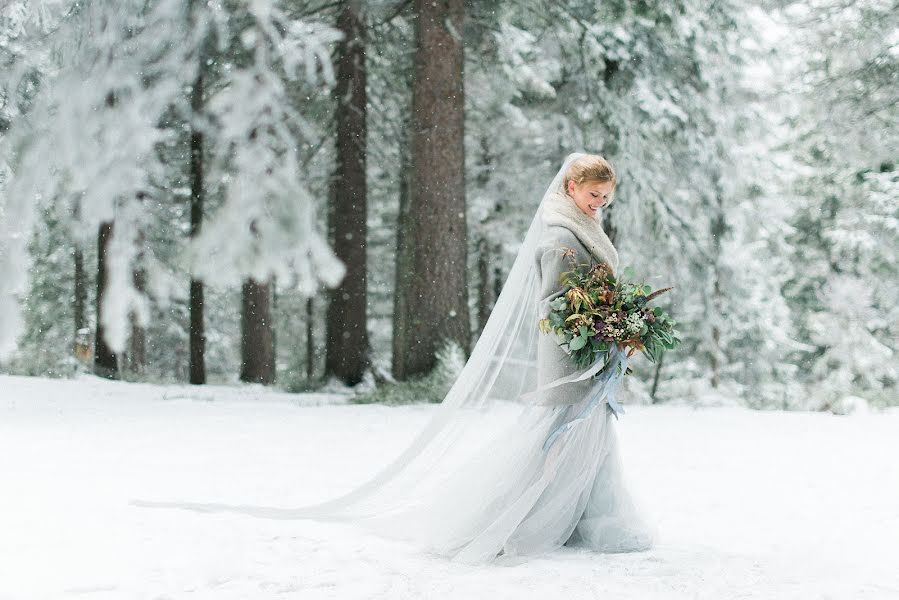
(748,504)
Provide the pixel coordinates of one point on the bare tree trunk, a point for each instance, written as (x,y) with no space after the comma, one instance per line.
(197,342)
(347,350)
(197,355)
(487,252)
(273,293)
(80,291)
(436,292)
(719,229)
(485,287)
(81,342)
(137,352)
(257,348)
(310,340)
(105,361)
(80,282)
(402,273)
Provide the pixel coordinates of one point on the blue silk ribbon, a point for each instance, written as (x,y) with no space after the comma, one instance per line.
(607,381)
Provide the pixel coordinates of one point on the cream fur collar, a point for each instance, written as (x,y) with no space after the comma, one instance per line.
(559,209)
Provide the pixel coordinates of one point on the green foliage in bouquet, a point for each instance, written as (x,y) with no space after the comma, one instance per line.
(599,311)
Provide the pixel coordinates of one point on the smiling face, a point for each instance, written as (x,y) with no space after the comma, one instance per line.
(591,195)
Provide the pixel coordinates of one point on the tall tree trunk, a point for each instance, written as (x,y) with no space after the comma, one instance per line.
(719,229)
(105,361)
(80,291)
(80,307)
(137,351)
(488,290)
(485,285)
(82,339)
(273,293)
(82,342)
(403,271)
(257,347)
(436,291)
(197,342)
(310,339)
(347,352)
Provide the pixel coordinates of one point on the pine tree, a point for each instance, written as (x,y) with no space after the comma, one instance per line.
(435,289)
(347,342)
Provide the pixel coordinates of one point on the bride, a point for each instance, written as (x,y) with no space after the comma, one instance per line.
(521,457)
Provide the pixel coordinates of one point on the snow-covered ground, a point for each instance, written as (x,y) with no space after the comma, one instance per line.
(749,504)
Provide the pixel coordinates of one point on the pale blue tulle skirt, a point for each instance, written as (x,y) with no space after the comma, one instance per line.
(517,499)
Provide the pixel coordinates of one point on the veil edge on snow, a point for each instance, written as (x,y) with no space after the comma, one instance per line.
(501,370)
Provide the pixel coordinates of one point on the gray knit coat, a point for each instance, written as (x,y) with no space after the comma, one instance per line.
(566,226)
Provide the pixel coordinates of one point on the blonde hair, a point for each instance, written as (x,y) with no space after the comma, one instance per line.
(590,167)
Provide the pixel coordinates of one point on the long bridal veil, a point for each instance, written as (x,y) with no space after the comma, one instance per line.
(495,387)
(488,427)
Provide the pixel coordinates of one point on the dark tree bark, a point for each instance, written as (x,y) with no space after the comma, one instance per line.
(81,344)
(80,291)
(105,360)
(719,229)
(347,353)
(485,285)
(197,342)
(257,346)
(137,349)
(436,289)
(487,273)
(80,308)
(403,271)
(273,293)
(310,339)
(134,360)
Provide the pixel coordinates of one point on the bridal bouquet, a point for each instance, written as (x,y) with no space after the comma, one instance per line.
(600,312)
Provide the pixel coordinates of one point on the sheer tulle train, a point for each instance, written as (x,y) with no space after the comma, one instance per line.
(513,500)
